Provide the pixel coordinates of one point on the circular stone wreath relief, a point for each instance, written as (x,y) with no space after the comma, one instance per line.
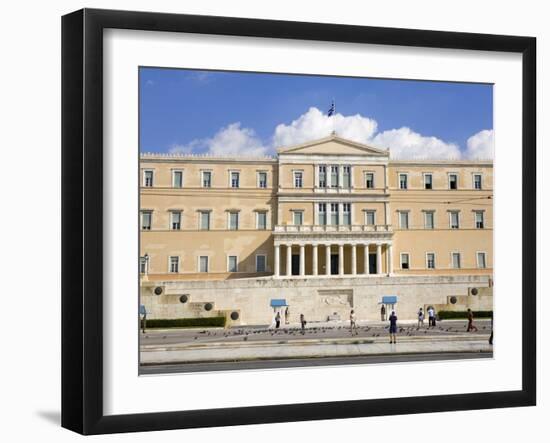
(453,299)
(234,315)
(208,306)
(158,290)
(474,291)
(184,298)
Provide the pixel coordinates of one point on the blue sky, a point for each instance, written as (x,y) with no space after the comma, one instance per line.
(217,112)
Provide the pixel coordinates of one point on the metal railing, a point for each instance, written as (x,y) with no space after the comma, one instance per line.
(332,228)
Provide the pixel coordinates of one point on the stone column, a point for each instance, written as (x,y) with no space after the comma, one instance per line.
(315,259)
(379,258)
(354,259)
(327,259)
(341,259)
(289,260)
(366,259)
(390,258)
(277,257)
(302,260)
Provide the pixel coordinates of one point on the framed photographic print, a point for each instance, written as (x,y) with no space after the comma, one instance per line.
(269,221)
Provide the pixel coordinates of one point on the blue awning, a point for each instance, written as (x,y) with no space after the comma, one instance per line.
(389,300)
(277,302)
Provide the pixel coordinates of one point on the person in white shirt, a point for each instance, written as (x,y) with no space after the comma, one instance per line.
(431,314)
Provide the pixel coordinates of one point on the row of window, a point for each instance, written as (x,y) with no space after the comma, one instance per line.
(456,260)
(203,263)
(261,262)
(328,177)
(454,219)
(206,179)
(204,220)
(327,214)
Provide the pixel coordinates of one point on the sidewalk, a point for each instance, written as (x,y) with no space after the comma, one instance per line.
(310,348)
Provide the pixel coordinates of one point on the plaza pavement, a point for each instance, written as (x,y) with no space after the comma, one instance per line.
(320,340)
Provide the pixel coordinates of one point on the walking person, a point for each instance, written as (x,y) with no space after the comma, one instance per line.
(278,320)
(393,327)
(420,318)
(383,313)
(352,323)
(491,337)
(471,325)
(434,319)
(303,323)
(431,314)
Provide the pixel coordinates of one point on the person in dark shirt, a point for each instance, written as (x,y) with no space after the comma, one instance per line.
(393,327)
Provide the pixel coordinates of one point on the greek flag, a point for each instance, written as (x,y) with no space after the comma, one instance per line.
(332,110)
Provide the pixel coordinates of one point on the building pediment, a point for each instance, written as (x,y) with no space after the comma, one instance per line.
(333,145)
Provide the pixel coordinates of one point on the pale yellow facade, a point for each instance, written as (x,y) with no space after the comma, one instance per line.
(290,216)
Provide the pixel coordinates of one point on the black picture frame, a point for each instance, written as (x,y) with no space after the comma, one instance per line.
(82,217)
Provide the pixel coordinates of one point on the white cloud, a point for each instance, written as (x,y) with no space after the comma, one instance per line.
(407,144)
(314,124)
(231,140)
(481,145)
(404,143)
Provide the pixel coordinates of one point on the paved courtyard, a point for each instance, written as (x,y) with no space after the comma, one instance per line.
(328,330)
(189,350)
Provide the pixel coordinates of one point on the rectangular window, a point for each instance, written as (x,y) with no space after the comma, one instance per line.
(232,263)
(428,181)
(203,263)
(174,264)
(454,220)
(233,221)
(298,179)
(262,179)
(298,217)
(479,220)
(322,213)
(346,216)
(148,179)
(204,222)
(334,219)
(322,176)
(428,219)
(334,177)
(403,182)
(143,265)
(206,179)
(175,220)
(369,180)
(404,261)
(403,219)
(347,177)
(477,181)
(430,260)
(261,220)
(453,181)
(481,261)
(370,218)
(146,219)
(455,257)
(234,179)
(260,263)
(177,179)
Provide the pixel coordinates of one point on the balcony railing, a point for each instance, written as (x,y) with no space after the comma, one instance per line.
(332,228)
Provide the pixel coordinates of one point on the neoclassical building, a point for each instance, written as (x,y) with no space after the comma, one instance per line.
(321,228)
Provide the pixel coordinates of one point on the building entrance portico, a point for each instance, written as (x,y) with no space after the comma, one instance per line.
(294,260)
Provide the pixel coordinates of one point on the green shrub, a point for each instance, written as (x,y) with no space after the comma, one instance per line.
(186,322)
(448,315)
